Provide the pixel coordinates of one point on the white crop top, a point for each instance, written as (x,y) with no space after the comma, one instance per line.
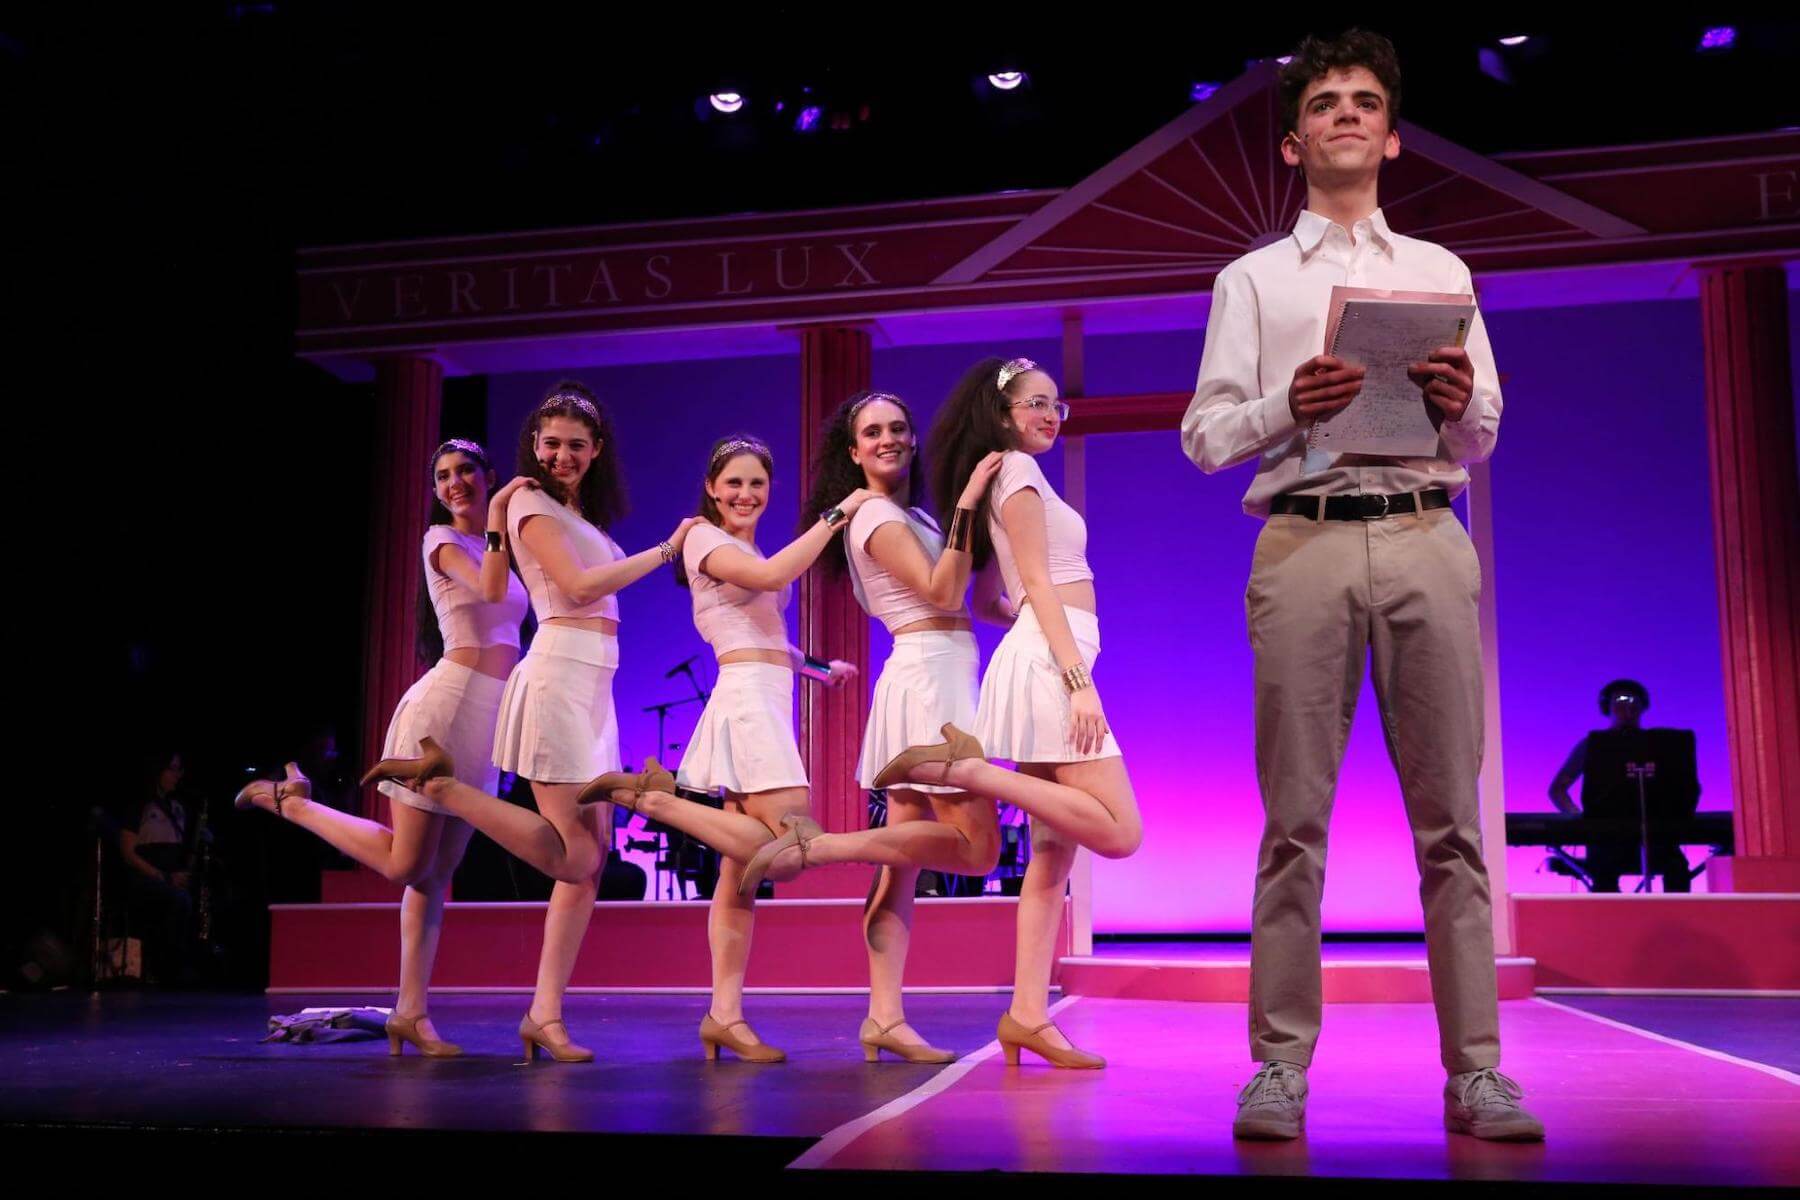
(730,617)
(879,592)
(1065,531)
(464,618)
(590,544)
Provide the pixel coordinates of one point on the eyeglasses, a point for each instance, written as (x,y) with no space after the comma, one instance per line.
(1039,406)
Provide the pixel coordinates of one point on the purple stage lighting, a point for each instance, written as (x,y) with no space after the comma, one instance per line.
(726,102)
(1719,37)
(1518,39)
(1492,65)
(1006,81)
(808,119)
(1202,91)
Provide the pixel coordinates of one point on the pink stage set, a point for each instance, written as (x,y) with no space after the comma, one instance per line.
(685,327)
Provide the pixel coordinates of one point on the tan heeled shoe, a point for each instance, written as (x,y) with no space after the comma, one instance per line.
(413,772)
(956,745)
(246,796)
(714,1035)
(653,778)
(875,1039)
(1014,1037)
(296,784)
(406,1029)
(801,830)
(535,1037)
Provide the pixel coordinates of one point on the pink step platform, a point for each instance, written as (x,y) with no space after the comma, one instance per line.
(802,944)
(1384,973)
(1705,942)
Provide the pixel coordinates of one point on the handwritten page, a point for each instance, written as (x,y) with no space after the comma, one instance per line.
(1385,336)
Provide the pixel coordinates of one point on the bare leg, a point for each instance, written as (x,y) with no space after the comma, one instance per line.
(887,918)
(422,922)
(400,855)
(1089,803)
(556,843)
(1040,917)
(571,901)
(964,840)
(729,830)
(732,918)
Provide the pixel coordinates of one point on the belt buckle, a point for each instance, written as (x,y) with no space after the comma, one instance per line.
(1368,513)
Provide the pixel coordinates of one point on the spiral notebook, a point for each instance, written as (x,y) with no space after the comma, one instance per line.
(1386,332)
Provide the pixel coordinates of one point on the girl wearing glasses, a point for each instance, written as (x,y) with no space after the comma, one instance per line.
(1039,707)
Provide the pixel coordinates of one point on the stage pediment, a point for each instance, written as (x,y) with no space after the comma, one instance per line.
(1210,186)
(1154,226)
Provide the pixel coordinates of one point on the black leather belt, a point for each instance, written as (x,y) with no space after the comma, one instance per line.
(1359,507)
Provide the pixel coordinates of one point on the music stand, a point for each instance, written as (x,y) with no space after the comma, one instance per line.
(1642,775)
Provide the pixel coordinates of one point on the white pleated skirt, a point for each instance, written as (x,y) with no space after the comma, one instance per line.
(455,706)
(745,739)
(556,722)
(1024,712)
(931,677)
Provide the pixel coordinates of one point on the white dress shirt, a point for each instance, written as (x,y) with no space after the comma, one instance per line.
(1268,316)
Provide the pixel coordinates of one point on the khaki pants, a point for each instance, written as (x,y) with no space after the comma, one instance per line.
(1325,596)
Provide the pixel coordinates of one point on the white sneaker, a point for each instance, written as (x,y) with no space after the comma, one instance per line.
(1485,1104)
(1272,1106)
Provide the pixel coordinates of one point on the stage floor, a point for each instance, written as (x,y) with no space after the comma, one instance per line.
(1633,1089)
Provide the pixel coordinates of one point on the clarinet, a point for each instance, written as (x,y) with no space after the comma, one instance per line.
(203,881)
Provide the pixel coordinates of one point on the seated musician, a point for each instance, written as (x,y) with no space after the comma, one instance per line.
(154,845)
(1624,701)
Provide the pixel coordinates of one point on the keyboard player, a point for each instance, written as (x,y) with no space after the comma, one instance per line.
(1624,702)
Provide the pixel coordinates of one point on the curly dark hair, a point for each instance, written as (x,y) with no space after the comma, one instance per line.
(1315,58)
(716,459)
(835,475)
(1629,687)
(428,639)
(972,423)
(603,501)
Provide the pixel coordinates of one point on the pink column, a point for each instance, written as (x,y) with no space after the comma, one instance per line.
(1756,534)
(408,401)
(834,362)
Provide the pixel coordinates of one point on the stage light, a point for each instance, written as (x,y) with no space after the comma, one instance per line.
(1516,40)
(1285,59)
(1006,81)
(1719,37)
(726,102)
(1202,91)
(808,119)
(1492,65)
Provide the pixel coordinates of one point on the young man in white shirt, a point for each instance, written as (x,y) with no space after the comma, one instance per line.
(1360,558)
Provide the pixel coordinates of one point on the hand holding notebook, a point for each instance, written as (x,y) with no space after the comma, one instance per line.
(1386,333)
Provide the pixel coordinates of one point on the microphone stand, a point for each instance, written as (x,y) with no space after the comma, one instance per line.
(1641,772)
(700,696)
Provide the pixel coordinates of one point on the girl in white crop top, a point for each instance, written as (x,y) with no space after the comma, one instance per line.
(744,743)
(555,727)
(1038,706)
(476,642)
